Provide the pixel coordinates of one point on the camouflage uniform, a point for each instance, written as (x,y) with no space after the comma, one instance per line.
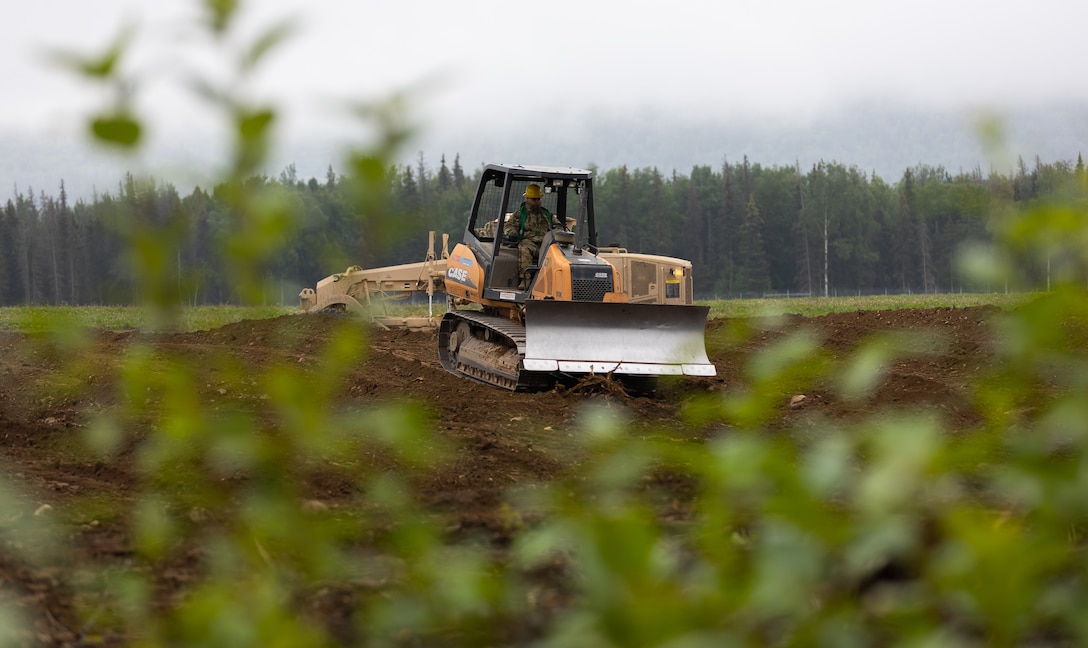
(538,222)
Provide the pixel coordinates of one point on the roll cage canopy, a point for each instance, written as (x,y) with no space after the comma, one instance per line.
(567,195)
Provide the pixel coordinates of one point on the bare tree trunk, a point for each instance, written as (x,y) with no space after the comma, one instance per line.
(808,264)
(72,278)
(178,256)
(923,241)
(56,278)
(28,283)
(804,235)
(53,255)
(826,290)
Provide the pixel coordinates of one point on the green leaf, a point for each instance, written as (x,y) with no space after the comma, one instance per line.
(866,368)
(253,125)
(119,130)
(221,12)
(101,66)
(268,41)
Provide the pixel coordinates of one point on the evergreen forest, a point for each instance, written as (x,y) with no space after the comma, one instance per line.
(749,230)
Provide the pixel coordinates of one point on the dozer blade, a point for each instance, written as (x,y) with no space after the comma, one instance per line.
(602,337)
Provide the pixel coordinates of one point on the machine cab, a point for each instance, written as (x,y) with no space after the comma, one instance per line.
(567,194)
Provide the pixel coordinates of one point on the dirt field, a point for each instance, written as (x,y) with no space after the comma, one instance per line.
(503,438)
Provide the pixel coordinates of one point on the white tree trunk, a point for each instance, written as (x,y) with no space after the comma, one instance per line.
(826,288)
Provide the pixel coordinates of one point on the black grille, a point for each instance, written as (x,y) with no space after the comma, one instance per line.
(590,283)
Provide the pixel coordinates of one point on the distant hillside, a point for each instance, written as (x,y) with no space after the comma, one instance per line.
(881,139)
(873,138)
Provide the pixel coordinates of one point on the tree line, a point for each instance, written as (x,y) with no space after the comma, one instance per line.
(748,229)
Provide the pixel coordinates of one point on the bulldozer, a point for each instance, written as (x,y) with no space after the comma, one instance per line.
(587,309)
(568,313)
(646,278)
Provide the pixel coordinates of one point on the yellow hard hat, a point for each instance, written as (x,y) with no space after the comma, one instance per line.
(532,191)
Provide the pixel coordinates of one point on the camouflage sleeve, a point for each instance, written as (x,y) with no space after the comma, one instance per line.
(553,220)
(513,223)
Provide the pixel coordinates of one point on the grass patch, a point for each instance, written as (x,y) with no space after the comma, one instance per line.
(41,319)
(38,319)
(816,306)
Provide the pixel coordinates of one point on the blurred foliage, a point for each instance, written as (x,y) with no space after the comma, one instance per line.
(890,531)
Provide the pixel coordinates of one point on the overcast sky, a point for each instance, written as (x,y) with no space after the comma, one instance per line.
(477,66)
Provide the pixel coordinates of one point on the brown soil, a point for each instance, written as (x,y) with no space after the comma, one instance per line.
(502,438)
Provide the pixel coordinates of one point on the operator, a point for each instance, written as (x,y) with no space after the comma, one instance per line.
(528,225)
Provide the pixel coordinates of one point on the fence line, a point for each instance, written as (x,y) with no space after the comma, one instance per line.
(853,292)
